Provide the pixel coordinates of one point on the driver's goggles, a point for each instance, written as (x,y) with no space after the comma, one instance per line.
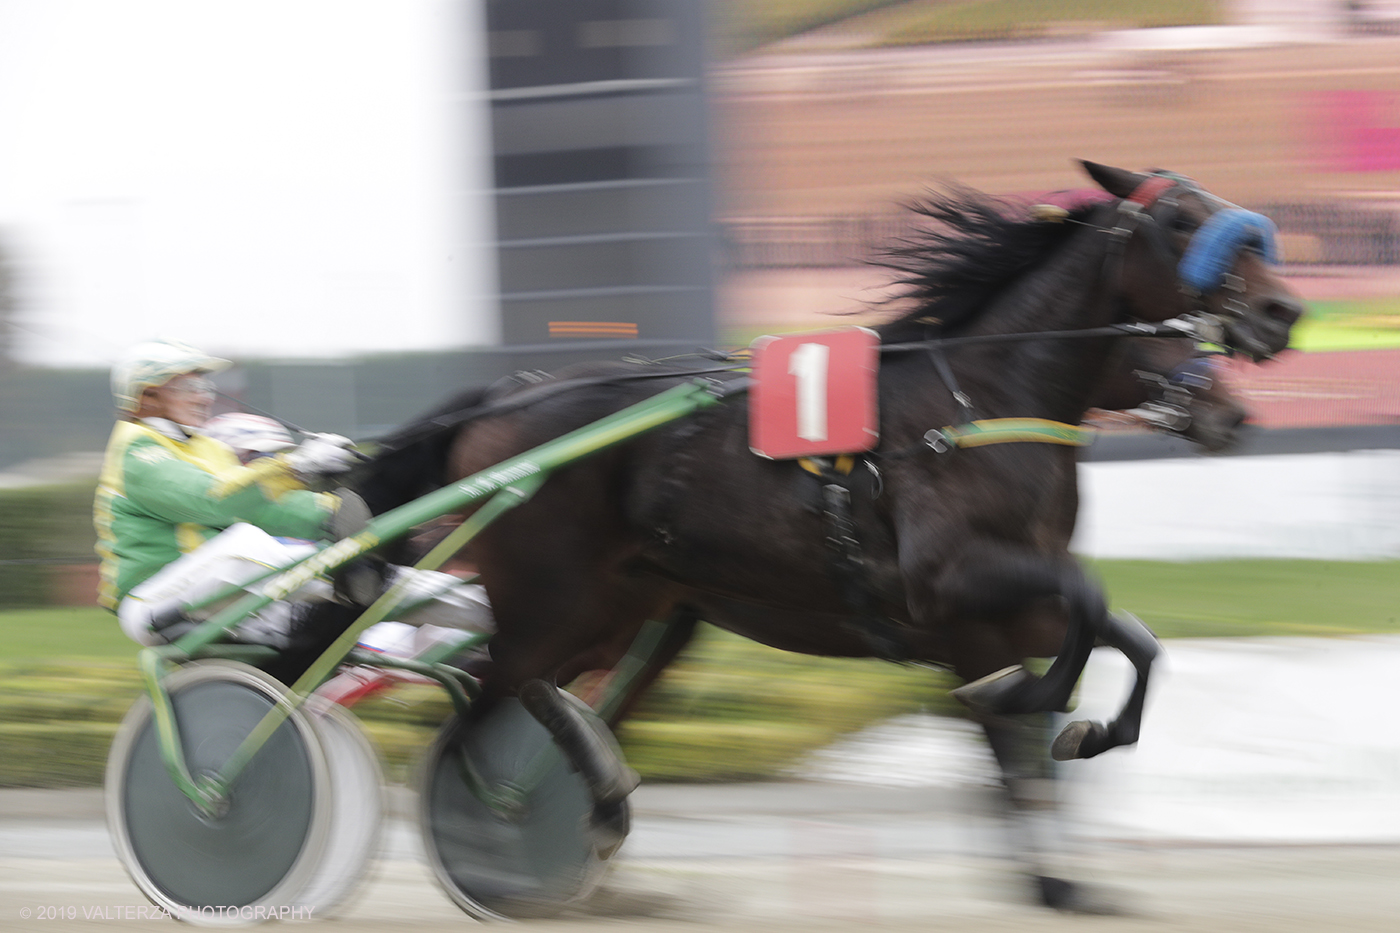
(192,386)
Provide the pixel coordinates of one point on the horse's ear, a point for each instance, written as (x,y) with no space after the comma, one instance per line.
(1118,182)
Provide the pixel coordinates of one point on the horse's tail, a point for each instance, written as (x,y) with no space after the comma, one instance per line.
(412,461)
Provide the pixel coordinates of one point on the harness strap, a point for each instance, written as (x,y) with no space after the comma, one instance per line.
(883,635)
(533,393)
(997,431)
(672,481)
(1147,193)
(1132,211)
(945,372)
(1183,326)
(1017,430)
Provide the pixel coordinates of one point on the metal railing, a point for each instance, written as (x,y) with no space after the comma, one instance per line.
(1330,233)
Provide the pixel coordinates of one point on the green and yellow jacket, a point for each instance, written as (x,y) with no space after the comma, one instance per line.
(163,494)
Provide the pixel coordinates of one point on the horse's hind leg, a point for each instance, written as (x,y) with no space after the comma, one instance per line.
(1085,739)
(680,629)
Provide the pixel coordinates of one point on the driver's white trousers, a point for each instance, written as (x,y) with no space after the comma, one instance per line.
(242,553)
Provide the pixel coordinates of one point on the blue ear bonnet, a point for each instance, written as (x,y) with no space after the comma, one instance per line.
(1214,246)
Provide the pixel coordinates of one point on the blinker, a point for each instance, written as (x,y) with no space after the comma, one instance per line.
(1195,373)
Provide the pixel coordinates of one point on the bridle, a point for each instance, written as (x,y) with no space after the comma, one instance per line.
(1174,395)
(1201,269)
(1204,266)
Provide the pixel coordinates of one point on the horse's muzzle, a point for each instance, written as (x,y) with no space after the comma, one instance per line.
(1260,329)
(1216,427)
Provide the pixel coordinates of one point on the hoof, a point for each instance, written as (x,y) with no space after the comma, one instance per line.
(610,823)
(988,695)
(1072,897)
(1079,739)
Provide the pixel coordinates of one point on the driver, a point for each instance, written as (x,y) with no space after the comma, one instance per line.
(179,518)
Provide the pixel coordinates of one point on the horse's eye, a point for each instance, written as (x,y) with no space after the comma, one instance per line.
(1183,224)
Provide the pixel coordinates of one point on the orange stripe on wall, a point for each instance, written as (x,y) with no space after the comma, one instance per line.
(592,329)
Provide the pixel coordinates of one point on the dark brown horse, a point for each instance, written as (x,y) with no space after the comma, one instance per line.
(1171,386)
(964,557)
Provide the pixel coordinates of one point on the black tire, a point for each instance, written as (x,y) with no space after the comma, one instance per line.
(357,809)
(264,850)
(531,863)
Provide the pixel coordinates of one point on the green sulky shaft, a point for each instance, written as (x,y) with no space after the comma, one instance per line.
(624,425)
(507,484)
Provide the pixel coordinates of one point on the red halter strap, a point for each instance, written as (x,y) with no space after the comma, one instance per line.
(1147,193)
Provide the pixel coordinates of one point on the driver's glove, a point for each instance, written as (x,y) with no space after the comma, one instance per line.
(322,454)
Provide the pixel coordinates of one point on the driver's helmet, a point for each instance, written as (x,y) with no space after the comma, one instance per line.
(250,436)
(154,363)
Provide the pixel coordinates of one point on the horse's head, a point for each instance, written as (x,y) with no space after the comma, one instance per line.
(1183,250)
(1181,392)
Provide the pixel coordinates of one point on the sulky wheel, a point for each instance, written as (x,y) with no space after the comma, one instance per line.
(265,847)
(507,862)
(357,808)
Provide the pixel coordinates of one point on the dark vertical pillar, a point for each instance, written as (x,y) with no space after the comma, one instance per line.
(602,175)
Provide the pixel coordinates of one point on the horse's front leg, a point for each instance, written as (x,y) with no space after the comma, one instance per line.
(998,604)
(1085,739)
(1036,820)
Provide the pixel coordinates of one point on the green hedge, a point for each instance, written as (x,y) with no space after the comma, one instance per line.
(42,524)
(729,709)
(57,719)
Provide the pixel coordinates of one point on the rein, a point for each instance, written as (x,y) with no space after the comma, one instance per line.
(545,390)
(1203,327)
(1201,271)
(1200,327)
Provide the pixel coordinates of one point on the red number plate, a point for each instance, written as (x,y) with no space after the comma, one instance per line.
(814,394)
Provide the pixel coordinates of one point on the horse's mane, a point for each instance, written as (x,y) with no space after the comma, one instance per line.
(965,248)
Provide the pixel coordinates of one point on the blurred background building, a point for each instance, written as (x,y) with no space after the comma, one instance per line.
(599,130)
(366,205)
(369,204)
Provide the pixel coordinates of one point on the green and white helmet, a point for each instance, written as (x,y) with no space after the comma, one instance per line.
(154,363)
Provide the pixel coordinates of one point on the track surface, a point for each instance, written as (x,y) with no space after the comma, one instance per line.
(773,856)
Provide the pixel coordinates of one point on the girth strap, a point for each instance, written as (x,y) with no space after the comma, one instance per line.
(883,635)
